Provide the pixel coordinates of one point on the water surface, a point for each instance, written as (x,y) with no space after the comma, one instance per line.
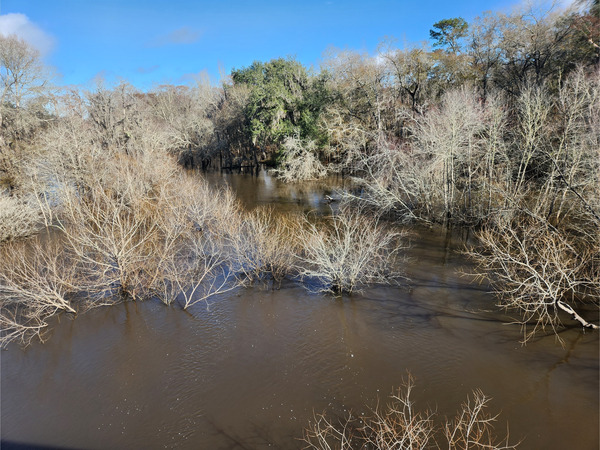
(249,369)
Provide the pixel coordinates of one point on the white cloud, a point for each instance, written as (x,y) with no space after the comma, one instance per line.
(145,70)
(183,35)
(20,25)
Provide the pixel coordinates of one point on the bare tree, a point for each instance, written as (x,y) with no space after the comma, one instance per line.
(450,140)
(574,157)
(23,100)
(183,115)
(484,49)
(412,71)
(363,103)
(539,272)
(22,77)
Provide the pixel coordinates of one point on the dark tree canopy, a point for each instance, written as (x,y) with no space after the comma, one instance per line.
(284,100)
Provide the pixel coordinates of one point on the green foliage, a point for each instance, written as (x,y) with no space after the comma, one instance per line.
(448,32)
(284,100)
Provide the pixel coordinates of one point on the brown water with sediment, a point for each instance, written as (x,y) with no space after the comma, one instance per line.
(249,369)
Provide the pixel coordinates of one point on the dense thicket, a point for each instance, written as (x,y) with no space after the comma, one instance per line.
(496,126)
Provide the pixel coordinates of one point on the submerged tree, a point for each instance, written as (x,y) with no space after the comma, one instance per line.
(399,424)
(349,252)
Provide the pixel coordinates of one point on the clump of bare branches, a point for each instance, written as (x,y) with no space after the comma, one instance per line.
(299,161)
(472,427)
(400,425)
(350,250)
(18,218)
(265,245)
(194,254)
(136,228)
(540,245)
(539,271)
(37,280)
(151,232)
(38,274)
(450,168)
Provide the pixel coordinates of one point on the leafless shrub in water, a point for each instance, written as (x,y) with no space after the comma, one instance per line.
(300,161)
(400,425)
(136,229)
(147,236)
(472,427)
(18,324)
(265,244)
(37,280)
(113,241)
(352,250)
(539,271)
(195,259)
(194,275)
(38,274)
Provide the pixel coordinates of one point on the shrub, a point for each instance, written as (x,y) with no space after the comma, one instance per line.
(400,425)
(353,249)
(18,218)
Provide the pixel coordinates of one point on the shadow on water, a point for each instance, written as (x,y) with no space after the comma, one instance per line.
(9,445)
(260,436)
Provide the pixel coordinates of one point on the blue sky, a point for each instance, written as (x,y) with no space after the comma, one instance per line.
(149,42)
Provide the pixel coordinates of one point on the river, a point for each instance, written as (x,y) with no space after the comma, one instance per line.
(249,369)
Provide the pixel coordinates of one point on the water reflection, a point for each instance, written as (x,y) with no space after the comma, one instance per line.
(264,189)
(248,370)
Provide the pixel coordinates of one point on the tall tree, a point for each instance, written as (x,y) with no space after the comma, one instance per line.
(484,49)
(447,33)
(284,100)
(22,79)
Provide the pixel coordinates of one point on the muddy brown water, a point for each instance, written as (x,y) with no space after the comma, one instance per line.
(249,369)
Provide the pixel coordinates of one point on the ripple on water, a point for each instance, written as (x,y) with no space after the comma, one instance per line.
(249,368)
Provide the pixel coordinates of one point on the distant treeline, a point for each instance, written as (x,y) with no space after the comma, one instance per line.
(354,101)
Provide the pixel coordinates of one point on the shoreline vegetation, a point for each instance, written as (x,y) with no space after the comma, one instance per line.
(495,127)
